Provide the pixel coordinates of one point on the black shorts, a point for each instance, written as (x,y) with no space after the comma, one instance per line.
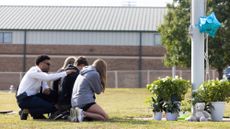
(87,106)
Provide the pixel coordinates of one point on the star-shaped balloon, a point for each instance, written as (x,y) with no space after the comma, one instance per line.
(209,25)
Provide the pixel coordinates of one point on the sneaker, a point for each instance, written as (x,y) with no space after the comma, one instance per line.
(23,114)
(65,115)
(62,115)
(76,115)
(80,115)
(53,115)
(73,115)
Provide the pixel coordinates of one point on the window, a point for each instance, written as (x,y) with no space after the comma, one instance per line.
(1,37)
(157,39)
(8,37)
(5,37)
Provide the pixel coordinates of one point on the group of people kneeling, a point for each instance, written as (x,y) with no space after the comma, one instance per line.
(72,96)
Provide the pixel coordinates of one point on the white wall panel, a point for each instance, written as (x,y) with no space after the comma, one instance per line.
(18,37)
(85,38)
(148,39)
(151,39)
(82,38)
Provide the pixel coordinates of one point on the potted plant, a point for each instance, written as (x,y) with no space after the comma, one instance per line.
(214,93)
(171,91)
(172,109)
(157,106)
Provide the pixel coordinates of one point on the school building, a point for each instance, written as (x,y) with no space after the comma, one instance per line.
(125,37)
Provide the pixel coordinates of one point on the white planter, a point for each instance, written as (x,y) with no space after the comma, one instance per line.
(217,112)
(157,116)
(171,116)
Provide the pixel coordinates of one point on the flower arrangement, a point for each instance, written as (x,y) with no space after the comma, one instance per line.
(168,92)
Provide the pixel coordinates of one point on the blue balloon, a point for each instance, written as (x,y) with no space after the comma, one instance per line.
(209,25)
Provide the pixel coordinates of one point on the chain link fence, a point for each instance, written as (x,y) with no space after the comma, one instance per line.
(116,79)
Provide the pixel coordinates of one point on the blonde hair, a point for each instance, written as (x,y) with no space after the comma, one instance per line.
(101,67)
(69,60)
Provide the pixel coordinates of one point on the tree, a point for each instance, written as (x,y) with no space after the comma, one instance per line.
(219,47)
(174,34)
(175,37)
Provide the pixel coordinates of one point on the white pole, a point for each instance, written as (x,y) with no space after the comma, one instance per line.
(198,10)
(173,71)
(148,76)
(116,79)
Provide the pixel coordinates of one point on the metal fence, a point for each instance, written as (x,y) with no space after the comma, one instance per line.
(116,79)
(139,79)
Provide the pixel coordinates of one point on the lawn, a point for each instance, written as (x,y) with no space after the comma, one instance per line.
(124,106)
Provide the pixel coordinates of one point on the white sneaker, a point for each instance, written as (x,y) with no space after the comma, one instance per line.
(73,115)
(76,115)
(80,115)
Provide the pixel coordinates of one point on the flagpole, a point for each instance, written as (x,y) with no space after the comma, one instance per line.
(197,69)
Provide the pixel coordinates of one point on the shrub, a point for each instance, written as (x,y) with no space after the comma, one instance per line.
(169,88)
(212,91)
(168,92)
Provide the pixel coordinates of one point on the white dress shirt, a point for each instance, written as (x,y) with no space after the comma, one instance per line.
(35,78)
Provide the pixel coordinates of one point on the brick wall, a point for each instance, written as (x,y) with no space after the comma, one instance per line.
(82,50)
(117,57)
(124,59)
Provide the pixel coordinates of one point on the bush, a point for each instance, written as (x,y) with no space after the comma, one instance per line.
(169,88)
(157,104)
(172,107)
(169,91)
(212,91)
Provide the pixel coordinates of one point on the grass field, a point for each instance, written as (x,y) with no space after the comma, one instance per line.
(123,107)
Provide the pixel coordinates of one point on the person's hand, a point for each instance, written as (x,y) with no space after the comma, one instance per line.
(70,71)
(46,91)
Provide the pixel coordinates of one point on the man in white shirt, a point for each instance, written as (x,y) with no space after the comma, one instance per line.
(29,98)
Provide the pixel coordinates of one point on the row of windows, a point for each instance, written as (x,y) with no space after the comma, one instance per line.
(99,38)
(92,38)
(5,37)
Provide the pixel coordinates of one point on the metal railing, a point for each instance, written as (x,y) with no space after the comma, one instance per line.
(115,79)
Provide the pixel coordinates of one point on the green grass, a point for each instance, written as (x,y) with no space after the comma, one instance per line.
(123,107)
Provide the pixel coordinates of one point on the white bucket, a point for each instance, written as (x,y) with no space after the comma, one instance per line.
(157,116)
(217,112)
(171,116)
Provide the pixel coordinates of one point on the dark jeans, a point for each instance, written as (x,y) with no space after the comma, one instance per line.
(38,104)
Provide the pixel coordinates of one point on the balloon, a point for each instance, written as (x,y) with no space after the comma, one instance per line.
(209,25)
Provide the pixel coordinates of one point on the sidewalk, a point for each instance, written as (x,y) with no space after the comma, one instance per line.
(164,119)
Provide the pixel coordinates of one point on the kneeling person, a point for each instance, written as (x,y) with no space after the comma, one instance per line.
(29,96)
(91,80)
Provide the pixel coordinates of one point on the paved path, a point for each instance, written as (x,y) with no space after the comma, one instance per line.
(164,119)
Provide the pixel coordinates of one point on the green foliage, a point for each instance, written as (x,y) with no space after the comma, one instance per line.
(172,107)
(169,88)
(169,91)
(212,91)
(157,104)
(186,105)
(175,38)
(219,54)
(174,34)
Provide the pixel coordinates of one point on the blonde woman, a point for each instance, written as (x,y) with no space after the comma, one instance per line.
(70,60)
(90,81)
(65,85)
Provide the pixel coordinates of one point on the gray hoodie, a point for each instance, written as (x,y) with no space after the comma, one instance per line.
(86,85)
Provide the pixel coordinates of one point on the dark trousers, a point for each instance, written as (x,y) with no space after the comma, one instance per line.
(38,104)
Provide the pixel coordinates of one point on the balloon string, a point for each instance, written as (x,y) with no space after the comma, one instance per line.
(206,58)
(205,7)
